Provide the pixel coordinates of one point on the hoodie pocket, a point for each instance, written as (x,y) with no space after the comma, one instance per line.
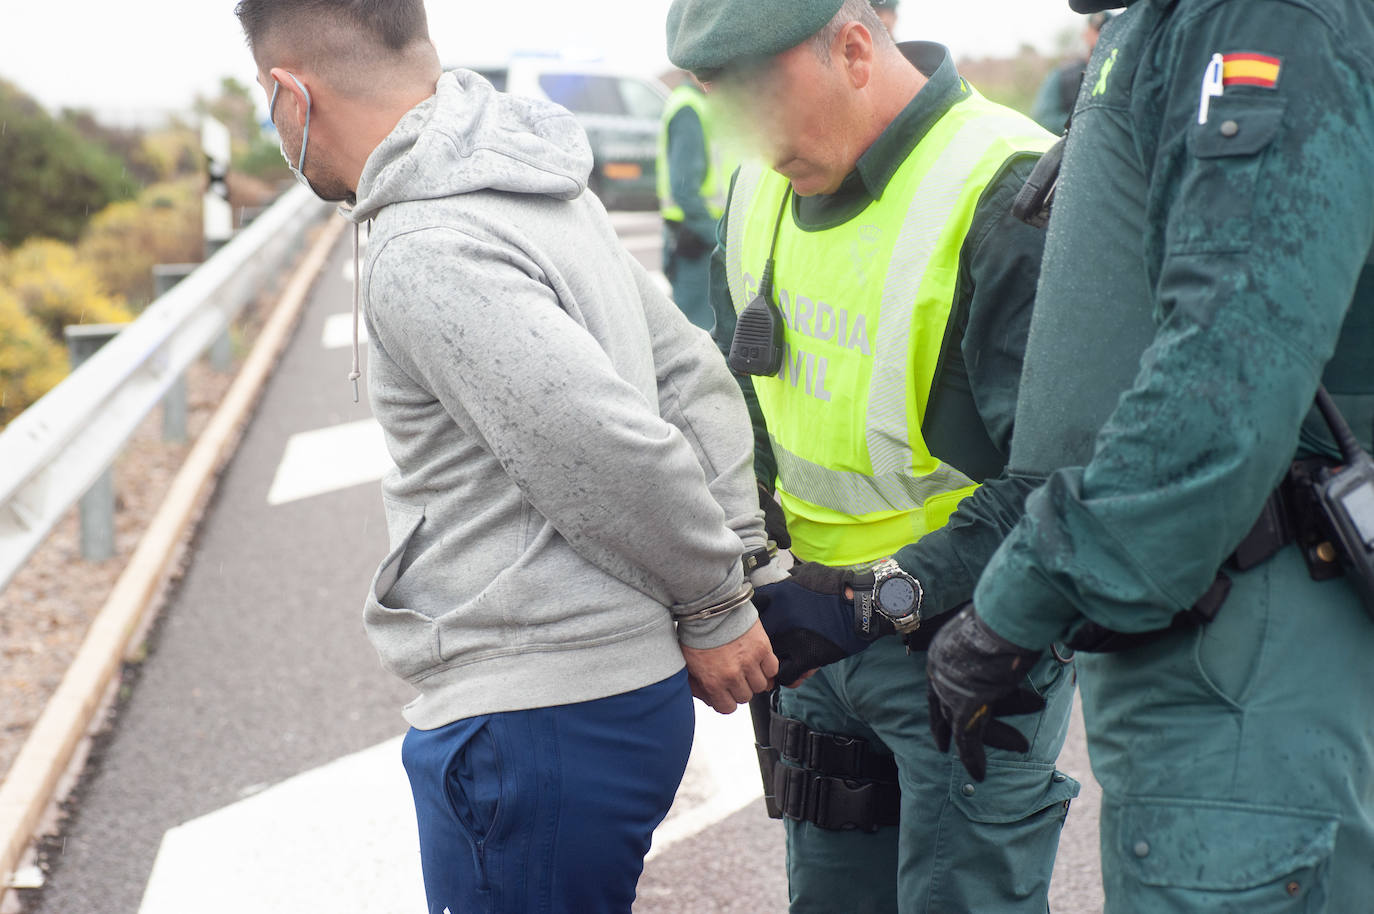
(403,637)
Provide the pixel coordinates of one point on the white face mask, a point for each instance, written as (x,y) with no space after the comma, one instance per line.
(298,168)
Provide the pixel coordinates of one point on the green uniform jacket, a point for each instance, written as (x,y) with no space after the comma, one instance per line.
(1200,279)
(973,404)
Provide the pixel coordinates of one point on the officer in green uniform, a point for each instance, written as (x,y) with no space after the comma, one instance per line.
(905,286)
(1057,93)
(1208,263)
(692,175)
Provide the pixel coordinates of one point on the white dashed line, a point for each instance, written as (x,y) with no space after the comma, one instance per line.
(329,459)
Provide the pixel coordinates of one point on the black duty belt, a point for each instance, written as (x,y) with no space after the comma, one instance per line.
(834,781)
(837,804)
(828,753)
(1289,515)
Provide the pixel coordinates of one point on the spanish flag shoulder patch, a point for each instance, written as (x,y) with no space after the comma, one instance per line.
(1247,69)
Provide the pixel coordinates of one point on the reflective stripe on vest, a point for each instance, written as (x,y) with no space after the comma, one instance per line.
(866,305)
(715,182)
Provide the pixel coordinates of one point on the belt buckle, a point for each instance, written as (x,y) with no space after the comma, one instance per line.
(793,747)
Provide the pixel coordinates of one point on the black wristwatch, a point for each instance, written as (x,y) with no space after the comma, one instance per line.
(757,558)
(897,595)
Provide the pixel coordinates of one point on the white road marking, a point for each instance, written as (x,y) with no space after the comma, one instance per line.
(328,459)
(339,838)
(722,777)
(296,847)
(338,331)
(629,222)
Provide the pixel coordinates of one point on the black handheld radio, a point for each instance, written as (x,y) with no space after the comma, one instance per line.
(756,347)
(1346,497)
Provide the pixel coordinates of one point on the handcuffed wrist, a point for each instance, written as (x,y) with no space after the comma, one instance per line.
(729,604)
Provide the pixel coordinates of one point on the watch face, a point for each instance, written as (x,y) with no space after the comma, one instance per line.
(896,596)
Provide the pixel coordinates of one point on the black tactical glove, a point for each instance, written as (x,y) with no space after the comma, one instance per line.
(976,676)
(690,245)
(810,622)
(774,521)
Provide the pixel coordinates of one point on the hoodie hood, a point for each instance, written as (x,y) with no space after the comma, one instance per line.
(469,137)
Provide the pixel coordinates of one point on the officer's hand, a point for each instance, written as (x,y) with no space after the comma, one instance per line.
(976,676)
(728,676)
(774,521)
(813,619)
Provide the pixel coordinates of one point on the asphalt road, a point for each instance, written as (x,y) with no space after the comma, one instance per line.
(252,763)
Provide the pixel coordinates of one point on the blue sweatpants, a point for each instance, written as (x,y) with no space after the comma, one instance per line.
(549,809)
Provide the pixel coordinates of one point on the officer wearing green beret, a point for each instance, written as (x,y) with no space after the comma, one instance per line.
(1210,260)
(693,175)
(878,228)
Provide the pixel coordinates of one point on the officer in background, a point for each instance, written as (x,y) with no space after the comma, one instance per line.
(1209,261)
(692,178)
(1058,92)
(887,12)
(883,239)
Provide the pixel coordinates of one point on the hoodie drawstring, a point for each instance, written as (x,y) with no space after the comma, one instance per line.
(355,374)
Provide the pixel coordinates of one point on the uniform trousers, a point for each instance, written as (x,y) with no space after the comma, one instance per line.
(961,846)
(690,278)
(1237,760)
(550,809)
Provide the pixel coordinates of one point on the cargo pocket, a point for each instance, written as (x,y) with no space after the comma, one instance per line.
(1200,856)
(996,848)
(401,636)
(1217,193)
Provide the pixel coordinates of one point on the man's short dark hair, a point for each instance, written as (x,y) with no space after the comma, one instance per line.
(394,24)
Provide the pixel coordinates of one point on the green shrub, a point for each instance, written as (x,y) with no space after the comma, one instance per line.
(56,289)
(123,241)
(31,362)
(53,177)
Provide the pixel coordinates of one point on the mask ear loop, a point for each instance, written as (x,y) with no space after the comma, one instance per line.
(309,104)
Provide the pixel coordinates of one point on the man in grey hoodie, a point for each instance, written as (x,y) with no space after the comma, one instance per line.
(573,500)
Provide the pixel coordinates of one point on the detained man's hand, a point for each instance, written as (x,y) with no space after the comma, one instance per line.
(728,676)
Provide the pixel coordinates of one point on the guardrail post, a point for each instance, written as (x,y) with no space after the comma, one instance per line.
(222,353)
(98,504)
(174,405)
(166,275)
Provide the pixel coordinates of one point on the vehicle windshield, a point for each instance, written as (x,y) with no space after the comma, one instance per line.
(583,93)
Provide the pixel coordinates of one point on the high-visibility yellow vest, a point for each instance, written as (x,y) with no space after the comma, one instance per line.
(716,181)
(866,304)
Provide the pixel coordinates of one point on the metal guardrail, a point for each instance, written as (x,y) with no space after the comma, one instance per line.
(52,452)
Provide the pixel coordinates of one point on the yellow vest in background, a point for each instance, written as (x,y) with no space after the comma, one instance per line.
(866,305)
(715,184)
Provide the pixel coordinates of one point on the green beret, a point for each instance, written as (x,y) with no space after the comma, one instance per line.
(884,4)
(708,35)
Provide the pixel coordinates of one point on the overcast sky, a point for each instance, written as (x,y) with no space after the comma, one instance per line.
(138,57)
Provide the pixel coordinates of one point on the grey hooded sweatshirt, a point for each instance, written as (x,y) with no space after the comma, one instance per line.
(573,458)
